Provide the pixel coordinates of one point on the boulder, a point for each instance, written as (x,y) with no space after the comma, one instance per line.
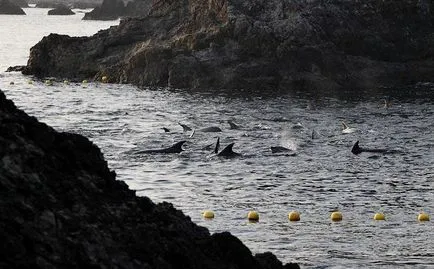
(61,10)
(109,10)
(256,45)
(7,7)
(62,207)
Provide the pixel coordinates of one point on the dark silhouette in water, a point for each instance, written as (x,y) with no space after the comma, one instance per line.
(217,146)
(228,152)
(185,127)
(357,150)
(166,130)
(175,148)
(232,125)
(278,149)
(211,129)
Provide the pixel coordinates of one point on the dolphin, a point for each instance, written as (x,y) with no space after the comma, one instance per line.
(166,130)
(175,148)
(228,152)
(346,129)
(232,125)
(184,127)
(278,149)
(211,129)
(357,150)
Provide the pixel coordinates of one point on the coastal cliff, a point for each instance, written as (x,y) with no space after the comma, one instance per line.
(61,207)
(257,45)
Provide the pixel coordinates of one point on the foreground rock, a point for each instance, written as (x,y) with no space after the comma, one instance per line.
(61,10)
(258,45)
(61,207)
(6,7)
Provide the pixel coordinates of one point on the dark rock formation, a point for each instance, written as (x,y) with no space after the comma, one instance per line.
(20,3)
(261,44)
(6,7)
(61,207)
(61,10)
(109,10)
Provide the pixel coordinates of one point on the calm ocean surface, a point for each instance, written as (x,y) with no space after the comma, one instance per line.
(319,176)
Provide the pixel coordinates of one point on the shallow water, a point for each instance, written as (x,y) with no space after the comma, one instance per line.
(319,176)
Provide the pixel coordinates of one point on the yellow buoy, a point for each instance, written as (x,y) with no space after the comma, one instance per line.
(30,82)
(84,81)
(66,82)
(104,79)
(253,216)
(49,82)
(336,216)
(423,217)
(379,216)
(294,216)
(208,214)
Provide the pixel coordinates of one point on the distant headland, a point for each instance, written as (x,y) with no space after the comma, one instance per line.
(260,45)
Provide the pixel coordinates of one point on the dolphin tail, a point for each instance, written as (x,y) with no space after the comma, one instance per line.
(217,145)
(356,149)
(344,125)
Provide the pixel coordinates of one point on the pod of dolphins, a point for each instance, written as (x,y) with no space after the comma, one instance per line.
(228,150)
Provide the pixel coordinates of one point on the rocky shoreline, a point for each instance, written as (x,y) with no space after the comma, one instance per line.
(61,207)
(259,45)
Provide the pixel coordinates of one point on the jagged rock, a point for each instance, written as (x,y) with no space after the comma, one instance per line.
(6,7)
(258,45)
(61,10)
(109,10)
(61,207)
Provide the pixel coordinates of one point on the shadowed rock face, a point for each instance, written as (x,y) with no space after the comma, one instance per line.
(260,45)
(61,207)
(8,7)
(61,10)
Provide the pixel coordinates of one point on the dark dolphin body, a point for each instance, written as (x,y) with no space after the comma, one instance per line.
(232,125)
(185,127)
(228,152)
(175,148)
(278,149)
(357,150)
(211,129)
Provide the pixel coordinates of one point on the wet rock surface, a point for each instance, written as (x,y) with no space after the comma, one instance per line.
(61,207)
(258,45)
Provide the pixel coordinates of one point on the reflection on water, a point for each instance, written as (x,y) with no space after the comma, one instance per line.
(319,176)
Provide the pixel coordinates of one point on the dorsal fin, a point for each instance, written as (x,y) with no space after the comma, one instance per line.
(233,125)
(356,149)
(217,145)
(176,148)
(228,152)
(184,127)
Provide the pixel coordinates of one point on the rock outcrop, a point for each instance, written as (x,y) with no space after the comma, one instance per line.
(109,10)
(7,7)
(61,207)
(61,10)
(258,45)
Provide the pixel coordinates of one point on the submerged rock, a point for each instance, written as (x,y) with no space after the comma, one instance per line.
(61,207)
(61,10)
(7,7)
(257,45)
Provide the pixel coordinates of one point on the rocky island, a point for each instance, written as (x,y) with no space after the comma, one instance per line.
(61,207)
(254,45)
(61,10)
(10,8)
